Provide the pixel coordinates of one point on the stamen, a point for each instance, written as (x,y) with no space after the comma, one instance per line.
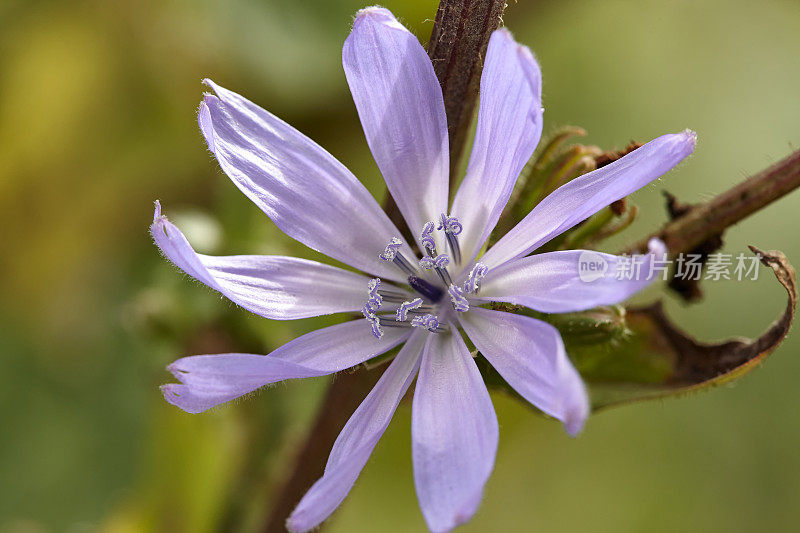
(377,332)
(440,261)
(394,298)
(460,304)
(367,311)
(429,322)
(375,323)
(425,309)
(452,227)
(390,293)
(476,275)
(404,265)
(391,253)
(386,289)
(426,238)
(430,292)
(452,243)
(406,307)
(391,249)
(375,300)
(386,323)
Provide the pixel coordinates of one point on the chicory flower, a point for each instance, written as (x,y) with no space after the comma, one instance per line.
(424,303)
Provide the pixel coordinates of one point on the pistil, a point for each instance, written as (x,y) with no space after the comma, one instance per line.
(439,263)
(426,239)
(430,292)
(460,303)
(476,275)
(407,307)
(429,322)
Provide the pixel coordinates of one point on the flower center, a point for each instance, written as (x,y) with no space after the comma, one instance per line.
(390,306)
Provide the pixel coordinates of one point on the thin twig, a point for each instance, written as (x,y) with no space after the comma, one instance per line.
(710,219)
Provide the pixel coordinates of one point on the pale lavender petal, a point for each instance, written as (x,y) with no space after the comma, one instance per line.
(276,287)
(357,440)
(400,104)
(582,197)
(454,433)
(572,280)
(209,380)
(508,130)
(309,195)
(530,356)
(206,126)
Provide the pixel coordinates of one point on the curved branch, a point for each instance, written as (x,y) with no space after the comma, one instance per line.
(708,220)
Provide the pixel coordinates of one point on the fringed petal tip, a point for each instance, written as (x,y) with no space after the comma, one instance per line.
(575,418)
(188,400)
(578,406)
(685,142)
(205,123)
(574,425)
(656,247)
(460,516)
(174,369)
(212,95)
(527,57)
(171,391)
(294,525)
(214,86)
(180,394)
(204,112)
(160,222)
(522,50)
(177,395)
(468,511)
(301,521)
(505,32)
(193,397)
(379,14)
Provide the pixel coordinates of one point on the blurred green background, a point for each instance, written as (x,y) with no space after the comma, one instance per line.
(97,120)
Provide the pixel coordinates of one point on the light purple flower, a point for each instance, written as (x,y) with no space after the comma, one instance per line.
(422,303)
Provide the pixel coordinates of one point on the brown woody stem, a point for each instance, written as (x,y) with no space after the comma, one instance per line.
(457,47)
(710,219)
(343,396)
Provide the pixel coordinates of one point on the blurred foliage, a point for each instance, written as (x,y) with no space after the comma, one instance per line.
(97,119)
